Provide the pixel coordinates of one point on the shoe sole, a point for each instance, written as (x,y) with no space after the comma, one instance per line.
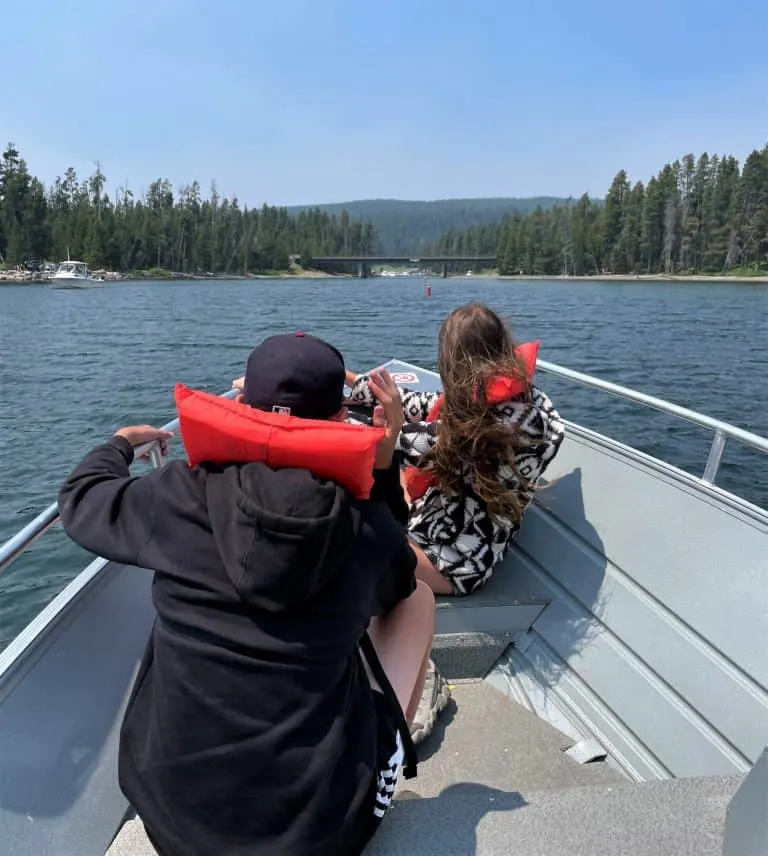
(443,697)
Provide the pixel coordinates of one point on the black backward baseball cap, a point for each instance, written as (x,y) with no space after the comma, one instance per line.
(295,373)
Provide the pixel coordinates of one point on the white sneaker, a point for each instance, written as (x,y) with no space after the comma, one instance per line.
(434,698)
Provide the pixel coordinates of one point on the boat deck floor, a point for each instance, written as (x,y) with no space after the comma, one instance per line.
(484,739)
(492,773)
(676,817)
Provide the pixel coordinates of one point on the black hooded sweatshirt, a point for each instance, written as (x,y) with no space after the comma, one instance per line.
(250,728)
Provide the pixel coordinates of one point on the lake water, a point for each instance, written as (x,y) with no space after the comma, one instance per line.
(75,366)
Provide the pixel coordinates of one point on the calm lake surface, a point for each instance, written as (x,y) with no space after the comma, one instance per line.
(75,366)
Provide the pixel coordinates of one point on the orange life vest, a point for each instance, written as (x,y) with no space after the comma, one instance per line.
(222,431)
(417,481)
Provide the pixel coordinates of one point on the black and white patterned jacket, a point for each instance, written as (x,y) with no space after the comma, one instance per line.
(456,532)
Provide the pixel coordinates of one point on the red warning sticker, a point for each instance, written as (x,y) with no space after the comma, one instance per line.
(404,377)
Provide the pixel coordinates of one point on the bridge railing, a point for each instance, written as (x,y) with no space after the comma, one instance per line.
(374,260)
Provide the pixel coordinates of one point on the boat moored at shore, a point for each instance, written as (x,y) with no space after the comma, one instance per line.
(74,274)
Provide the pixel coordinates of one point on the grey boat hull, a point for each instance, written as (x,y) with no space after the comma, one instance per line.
(632,614)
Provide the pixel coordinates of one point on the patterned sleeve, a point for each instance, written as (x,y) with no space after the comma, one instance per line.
(415,440)
(541,433)
(416,405)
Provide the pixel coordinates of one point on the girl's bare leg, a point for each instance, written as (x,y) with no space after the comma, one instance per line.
(404,486)
(428,573)
(403,640)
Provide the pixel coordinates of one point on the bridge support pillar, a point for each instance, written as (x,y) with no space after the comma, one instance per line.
(445,270)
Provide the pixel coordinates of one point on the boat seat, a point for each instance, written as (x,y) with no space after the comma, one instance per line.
(472,633)
(501,606)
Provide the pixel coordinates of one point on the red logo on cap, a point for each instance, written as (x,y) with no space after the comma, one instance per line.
(299,335)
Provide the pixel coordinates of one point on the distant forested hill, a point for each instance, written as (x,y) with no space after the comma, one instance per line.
(405,227)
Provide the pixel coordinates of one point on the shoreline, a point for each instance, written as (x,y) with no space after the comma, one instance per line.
(631,277)
(14,278)
(113,277)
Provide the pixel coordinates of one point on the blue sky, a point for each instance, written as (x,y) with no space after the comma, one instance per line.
(297,101)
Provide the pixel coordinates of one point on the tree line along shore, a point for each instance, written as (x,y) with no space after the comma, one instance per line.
(698,218)
(18,278)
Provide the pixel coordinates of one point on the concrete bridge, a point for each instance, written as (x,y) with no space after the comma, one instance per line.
(365,263)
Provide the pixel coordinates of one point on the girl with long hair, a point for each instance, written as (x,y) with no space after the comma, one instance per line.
(478,449)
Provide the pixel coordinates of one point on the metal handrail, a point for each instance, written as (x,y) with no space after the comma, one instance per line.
(19,542)
(722,430)
(746,437)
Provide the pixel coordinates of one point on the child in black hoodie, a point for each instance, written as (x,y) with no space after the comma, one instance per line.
(270,714)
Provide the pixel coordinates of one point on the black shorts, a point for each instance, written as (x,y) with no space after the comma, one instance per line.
(389,759)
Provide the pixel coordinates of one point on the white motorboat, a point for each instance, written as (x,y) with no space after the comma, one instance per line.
(74,274)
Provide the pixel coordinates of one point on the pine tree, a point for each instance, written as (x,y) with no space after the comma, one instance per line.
(612,221)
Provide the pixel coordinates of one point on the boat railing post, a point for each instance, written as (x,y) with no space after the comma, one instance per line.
(715,456)
(155,456)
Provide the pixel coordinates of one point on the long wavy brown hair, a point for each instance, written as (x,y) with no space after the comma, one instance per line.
(476,346)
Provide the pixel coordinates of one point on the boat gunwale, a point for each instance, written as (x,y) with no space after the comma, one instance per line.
(38,629)
(725,500)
